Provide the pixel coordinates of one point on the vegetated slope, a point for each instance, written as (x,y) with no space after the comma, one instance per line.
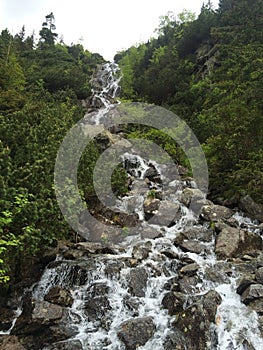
(208,71)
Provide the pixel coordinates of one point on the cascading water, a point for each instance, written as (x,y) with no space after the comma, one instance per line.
(130,281)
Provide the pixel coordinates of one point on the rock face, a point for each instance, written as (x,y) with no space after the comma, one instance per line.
(232,242)
(136,332)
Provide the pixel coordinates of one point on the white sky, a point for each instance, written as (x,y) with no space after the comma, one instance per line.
(103,26)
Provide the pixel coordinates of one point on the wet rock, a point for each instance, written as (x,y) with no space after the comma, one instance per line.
(6,318)
(189,270)
(113,267)
(195,321)
(188,284)
(10,342)
(59,296)
(257,305)
(167,214)
(67,345)
(215,212)
(251,208)
(151,233)
(97,304)
(193,197)
(97,307)
(45,313)
(232,242)
(243,284)
(151,206)
(137,281)
(152,174)
(199,233)
(176,341)
(73,254)
(191,246)
(140,253)
(133,305)
(174,302)
(259,275)
(136,332)
(254,291)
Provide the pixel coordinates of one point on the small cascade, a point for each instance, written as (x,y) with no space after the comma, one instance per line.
(168,285)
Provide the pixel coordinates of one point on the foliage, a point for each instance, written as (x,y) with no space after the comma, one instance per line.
(40,87)
(208,71)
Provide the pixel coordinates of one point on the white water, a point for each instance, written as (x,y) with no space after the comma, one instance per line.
(236,325)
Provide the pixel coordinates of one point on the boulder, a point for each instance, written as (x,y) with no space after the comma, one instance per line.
(254,291)
(97,304)
(215,212)
(45,313)
(195,321)
(251,208)
(140,253)
(176,340)
(193,198)
(174,302)
(59,296)
(189,270)
(136,332)
(151,233)
(10,342)
(191,246)
(232,242)
(137,281)
(151,206)
(168,214)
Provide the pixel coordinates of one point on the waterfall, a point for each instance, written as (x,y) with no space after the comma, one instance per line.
(131,280)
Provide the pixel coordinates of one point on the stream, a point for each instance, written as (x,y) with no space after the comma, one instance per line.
(165,285)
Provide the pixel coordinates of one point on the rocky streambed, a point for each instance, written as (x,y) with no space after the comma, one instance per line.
(171,278)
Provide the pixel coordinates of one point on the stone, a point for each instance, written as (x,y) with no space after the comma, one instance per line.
(199,233)
(151,233)
(215,212)
(59,296)
(257,305)
(192,246)
(188,284)
(174,302)
(136,332)
(6,318)
(176,341)
(45,313)
(67,345)
(259,275)
(254,291)
(250,207)
(189,270)
(232,242)
(243,284)
(137,281)
(151,206)
(10,342)
(97,304)
(167,214)
(140,253)
(195,321)
(194,198)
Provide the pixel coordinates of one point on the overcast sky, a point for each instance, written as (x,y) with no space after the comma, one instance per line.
(104,26)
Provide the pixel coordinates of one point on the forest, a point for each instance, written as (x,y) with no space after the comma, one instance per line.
(207,69)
